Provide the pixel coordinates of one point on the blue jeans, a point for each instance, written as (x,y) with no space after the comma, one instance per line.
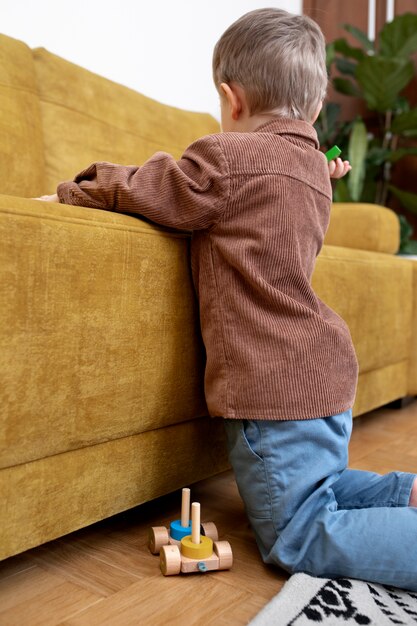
(311,514)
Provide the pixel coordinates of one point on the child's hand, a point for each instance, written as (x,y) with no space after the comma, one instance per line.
(339,168)
(53,198)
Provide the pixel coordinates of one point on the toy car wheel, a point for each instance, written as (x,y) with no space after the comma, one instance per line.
(158,537)
(209,530)
(223,550)
(170,560)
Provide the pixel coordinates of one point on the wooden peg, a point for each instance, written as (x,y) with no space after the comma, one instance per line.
(195,522)
(185,507)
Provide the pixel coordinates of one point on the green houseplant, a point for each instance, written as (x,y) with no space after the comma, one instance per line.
(377,73)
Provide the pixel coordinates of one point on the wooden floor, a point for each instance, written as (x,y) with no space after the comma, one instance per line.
(104,574)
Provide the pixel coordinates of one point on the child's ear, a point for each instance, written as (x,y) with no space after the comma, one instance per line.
(233,100)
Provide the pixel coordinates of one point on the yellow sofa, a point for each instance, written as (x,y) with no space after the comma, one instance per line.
(101,359)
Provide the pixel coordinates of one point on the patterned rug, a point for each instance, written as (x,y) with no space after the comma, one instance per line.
(307,601)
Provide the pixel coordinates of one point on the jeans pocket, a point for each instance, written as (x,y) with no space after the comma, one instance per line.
(251,434)
(347,424)
(248,466)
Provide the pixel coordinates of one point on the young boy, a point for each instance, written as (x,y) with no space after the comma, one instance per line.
(281,367)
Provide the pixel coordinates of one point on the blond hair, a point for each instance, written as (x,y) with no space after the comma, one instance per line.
(278,58)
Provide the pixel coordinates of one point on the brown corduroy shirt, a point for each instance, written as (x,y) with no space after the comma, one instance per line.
(258,204)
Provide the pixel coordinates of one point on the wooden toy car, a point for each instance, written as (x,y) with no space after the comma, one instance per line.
(197,553)
(161,536)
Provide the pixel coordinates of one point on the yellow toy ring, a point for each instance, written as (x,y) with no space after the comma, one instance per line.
(202,550)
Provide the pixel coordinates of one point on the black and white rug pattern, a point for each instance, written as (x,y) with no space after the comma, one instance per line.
(308,601)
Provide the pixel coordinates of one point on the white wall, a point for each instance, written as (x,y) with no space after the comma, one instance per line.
(161,48)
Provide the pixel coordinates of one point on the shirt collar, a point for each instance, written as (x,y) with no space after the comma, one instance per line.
(287,126)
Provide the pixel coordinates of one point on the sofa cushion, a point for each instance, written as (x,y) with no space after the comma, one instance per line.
(88,118)
(381,386)
(373,293)
(364,226)
(21,154)
(99,335)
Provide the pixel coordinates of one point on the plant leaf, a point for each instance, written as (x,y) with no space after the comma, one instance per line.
(407,199)
(369,190)
(330,54)
(360,36)
(328,124)
(409,247)
(396,155)
(358,145)
(345,67)
(399,37)
(332,112)
(406,228)
(382,80)
(405,124)
(377,156)
(402,105)
(341,192)
(347,87)
(342,46)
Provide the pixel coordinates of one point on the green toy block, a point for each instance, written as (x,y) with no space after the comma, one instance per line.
(333,153)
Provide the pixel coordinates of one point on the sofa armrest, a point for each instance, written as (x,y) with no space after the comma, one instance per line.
(364,226)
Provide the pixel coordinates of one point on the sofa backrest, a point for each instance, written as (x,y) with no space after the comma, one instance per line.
(21,148)
(56,118)
(88,118)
